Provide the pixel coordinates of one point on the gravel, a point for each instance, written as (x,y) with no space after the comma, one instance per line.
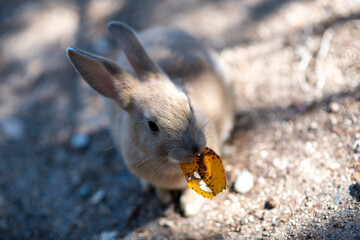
(296,131)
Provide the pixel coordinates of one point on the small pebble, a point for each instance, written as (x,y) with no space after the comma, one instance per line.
(12,128)
(348,227)
(228,168)
(334,107)
(309,204)
(357,148)
(264,154)
(206,207)
(84,191)
(356,176)
(357,185)
(266,228)
(357,226)
(309,148)
(314,125)
(79,141)
(109,235)
(334,165)
(333,120)
(166,223)
(337,198)
(261,180)
(244,182)
(98,196)
(270,203)
(280,164)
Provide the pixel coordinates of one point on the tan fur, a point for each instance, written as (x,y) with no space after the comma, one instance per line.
(174,72)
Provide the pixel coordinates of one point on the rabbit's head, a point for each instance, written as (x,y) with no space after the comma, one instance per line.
(162,122)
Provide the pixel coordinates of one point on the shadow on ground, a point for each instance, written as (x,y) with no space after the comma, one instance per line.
(50,190)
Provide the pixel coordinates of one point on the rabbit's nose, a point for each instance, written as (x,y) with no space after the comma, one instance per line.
(196,149)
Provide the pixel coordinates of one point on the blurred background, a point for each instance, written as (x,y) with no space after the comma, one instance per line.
(295,67)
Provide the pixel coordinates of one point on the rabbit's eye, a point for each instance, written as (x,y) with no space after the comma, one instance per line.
(153,126)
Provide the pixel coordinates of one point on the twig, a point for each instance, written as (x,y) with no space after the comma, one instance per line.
(355,164)
(305,60)
(323,51)
(306,54)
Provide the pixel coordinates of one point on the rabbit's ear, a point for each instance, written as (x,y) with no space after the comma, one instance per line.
(134,50)
(104,75)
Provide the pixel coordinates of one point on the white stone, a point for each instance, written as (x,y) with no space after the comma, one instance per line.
(279,164)
(334,165)
(12,128)
(314,125)
(166,223)
(108,235)
(244,182)
(334,107)
(98,196)
(206,207)
(227,202)
(261,180)
(264,154)
(79,141)
(309,148)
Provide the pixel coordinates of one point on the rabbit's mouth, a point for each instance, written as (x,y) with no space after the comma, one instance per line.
(181,158)
(185,155)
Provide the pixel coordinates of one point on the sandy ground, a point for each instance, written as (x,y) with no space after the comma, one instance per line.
(295,67)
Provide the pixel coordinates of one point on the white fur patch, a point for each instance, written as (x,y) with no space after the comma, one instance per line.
(147,114)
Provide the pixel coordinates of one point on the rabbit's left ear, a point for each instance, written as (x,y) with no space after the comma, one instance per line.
(104,76)
(144,67)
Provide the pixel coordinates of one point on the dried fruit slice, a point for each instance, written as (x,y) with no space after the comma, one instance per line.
(205,175)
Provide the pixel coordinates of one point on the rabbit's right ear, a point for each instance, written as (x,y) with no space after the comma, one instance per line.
(104,75)
(134,50)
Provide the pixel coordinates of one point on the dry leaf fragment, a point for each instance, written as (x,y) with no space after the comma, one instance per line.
(206,174)
(356,176)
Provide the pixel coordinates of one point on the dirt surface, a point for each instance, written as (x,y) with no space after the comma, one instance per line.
(295,67)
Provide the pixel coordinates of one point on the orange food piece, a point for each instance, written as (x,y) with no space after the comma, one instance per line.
(206,174)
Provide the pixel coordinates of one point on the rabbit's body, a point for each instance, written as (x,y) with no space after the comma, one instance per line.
(166,102)
(192,69)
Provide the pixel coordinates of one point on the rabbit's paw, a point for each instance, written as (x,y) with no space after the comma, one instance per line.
(191,202)
(164,195)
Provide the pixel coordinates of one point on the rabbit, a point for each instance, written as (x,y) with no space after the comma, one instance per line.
(166,100)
